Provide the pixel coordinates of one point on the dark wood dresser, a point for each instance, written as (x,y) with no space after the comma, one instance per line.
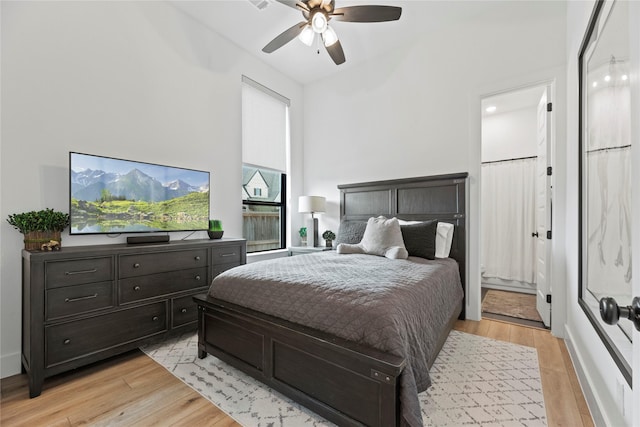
(86,303)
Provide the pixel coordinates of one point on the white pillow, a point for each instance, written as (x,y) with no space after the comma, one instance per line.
(381,237)
(444,237)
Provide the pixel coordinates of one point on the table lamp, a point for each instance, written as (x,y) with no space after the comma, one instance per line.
(312,205)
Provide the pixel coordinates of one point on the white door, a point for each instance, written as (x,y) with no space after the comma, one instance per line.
(635,366)
(634,9)
(543,210)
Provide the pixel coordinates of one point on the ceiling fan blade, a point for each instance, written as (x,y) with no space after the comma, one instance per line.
(296,4)
(336,53)
(285,37)
(367,13)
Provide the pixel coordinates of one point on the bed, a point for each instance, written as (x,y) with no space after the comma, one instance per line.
(345,366)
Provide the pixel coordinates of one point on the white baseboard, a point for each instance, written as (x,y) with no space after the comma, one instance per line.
(10,365)
(586,383)
(508,285)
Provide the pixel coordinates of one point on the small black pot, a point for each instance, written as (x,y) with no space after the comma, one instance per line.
(215,234)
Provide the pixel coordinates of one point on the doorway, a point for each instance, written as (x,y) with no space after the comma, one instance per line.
(515,199)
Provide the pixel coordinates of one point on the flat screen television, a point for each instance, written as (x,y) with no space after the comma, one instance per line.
(110,196)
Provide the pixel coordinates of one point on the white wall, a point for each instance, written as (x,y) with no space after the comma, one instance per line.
(605,388)
(134,80)
(416,111)
(510,135)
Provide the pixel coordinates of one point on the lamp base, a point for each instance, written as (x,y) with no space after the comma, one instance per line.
(312,232)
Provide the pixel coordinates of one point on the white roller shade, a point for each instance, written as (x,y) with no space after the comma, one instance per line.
(264,126)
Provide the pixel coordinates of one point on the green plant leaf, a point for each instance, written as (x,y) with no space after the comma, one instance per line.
(44,220)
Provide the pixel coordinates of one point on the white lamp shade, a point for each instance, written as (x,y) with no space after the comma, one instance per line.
(312,204)
(307,35)
(329,37)
(319,22)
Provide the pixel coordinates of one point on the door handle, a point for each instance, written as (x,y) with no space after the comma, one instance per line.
(610,311)
(534,234)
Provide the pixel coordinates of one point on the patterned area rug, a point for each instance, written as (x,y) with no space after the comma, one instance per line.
(512,304)
(476,381)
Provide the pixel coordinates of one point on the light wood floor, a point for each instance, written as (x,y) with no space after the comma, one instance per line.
(133,390)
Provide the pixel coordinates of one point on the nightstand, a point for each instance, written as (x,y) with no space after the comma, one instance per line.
(299,250)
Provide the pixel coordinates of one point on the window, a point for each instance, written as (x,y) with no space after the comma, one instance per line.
(263,216)
(264,152)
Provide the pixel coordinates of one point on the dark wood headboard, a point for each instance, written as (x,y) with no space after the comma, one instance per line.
(441,197)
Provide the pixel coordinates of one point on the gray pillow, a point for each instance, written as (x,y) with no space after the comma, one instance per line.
(382,237)
(420,239)
(350,232)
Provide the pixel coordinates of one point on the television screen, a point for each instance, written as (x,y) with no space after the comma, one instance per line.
(109,195)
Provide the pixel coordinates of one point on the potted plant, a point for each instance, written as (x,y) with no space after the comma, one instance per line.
(329,236)
(303,236)
(215,229)
(39,227)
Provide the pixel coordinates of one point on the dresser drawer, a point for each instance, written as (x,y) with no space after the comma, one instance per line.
(73,272)
(226,254)
(184,310)
(78,299)
(153,285)
(159,262)
(72,340)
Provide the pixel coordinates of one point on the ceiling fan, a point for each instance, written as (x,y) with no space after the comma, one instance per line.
(318,13)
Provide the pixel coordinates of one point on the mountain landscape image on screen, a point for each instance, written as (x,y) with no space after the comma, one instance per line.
(118,200)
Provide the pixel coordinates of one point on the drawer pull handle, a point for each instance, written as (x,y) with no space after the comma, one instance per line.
(66,342)
(197,277)
(71,273)
(80,298)
(136,288)
(197,258)
(231,254)
(184,310)
(136,265)
(155,318)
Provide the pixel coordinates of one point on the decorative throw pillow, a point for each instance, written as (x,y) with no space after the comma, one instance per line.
(351,232)
(444,237)
(381,237)
(420,238)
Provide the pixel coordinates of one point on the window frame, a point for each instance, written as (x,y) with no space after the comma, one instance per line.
(282,204)
(281,168)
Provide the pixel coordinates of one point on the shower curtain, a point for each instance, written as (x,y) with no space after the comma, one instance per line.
(608,175)
(508,219)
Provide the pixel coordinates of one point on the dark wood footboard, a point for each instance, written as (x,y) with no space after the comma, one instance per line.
(345,383)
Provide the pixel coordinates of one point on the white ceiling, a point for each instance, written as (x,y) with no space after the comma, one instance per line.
(251,29)
(513,100)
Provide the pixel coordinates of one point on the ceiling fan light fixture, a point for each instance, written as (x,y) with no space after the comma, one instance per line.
(319,22)
(317,14)
(329,37)
(307,35)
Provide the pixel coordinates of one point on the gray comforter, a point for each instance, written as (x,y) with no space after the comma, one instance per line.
(397,306)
